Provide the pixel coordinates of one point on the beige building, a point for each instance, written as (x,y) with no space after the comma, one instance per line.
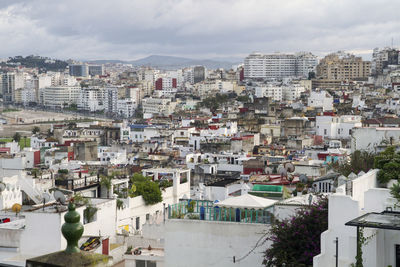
(342,66)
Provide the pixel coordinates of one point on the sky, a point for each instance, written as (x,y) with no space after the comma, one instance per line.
(132,29)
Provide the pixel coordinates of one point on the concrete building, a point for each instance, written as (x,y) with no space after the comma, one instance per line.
(374,139)
(158,106)
(382,59)
(126,107)
(79,70)
(335,127)
(365,205)
(278,66)
(343,66)
(96,70)
(10,82)
(92,99)
(199,74)
(271,91)
(321,99)
(60,96)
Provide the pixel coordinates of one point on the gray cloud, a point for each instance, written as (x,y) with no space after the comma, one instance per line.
(128,29)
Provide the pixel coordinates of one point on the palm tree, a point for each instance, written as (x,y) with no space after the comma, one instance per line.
(35,130)
(17,137)
(106,181)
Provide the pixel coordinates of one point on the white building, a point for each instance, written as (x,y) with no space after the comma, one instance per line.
(334,127)
(158,106)
(321,99)
(272,91)
(126,107)
(60,96)
(292,92)
(92,99)
(278,66)
(355,198)
(370,138)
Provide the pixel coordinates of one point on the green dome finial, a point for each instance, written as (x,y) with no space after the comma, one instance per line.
(72,229)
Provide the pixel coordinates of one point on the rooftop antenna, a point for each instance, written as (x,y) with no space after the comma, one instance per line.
(60,197)
(46,198)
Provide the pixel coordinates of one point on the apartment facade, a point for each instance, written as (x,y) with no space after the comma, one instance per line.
(278,65)
(343,66)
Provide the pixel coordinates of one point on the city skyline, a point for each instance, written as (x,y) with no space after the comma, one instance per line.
(129,30)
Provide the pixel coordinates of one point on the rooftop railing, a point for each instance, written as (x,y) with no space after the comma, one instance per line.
(208,211)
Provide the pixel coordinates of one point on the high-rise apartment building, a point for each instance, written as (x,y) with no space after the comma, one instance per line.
(278,65)
(79,70)
(60,96)
(343,66)
(381,59)
(199,74)
(10,82)
(96,70)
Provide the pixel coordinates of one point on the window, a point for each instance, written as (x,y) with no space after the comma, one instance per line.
(143,263)
(137,223)
(325,132)
(147,217)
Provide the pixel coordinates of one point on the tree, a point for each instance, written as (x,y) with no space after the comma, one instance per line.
(297,240)
(145,187)
(359,161)
(106,181)
(388,163)
(35,130)
(17,137)
(311,75)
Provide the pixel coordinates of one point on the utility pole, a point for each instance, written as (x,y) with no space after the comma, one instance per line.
(337,251)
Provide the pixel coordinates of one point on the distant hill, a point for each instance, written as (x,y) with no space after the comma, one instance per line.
(42,63)
(171,62)
(105,61)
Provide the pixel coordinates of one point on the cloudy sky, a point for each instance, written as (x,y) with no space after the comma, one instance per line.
(130,29)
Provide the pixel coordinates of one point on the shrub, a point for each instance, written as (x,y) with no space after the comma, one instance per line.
(296,241)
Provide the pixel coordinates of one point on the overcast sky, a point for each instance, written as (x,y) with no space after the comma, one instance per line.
(130,29)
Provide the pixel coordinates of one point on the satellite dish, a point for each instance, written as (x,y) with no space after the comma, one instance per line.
(16,208)
(303,178)
(59,196)
(282,171)
(2,186)
(268,170)
(46,198)
(289,167)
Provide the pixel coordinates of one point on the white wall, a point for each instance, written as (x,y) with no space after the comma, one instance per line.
(210,243)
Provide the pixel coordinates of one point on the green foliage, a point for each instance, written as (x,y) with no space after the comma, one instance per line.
(165,183)
(214,103)
(395,191)
(17,137)
(359,161)
(106,181)
(120,204)
(89,213)
(35,130)
(10,110)
(190,206)
(145,187)
(243,98)
(63,171)
(362,241)
(42,63)
(79,199)
(388,163)
(297,240)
